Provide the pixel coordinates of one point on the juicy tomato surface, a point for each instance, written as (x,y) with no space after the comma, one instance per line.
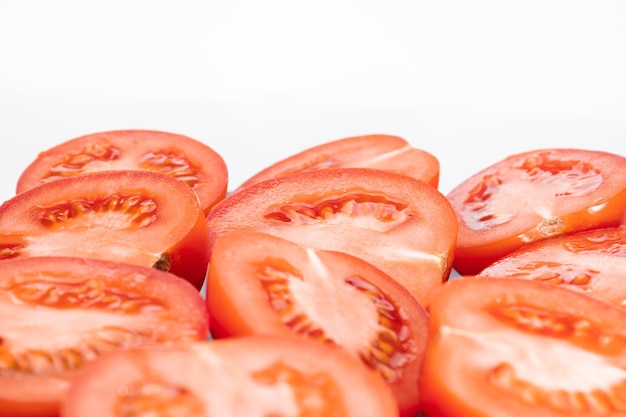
(592,262)
(512,347)
(59,313)
(378,151)
(535,195)
(179,156)
(251,376)
(261,284)
(140,217)
(399,224)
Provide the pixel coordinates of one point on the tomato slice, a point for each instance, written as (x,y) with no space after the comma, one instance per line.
(261,284)
(532,196)
(253,376)
(179,156)
(140,217)
(513,347)
(59,313)
(399,224)
(378,151)
(592,262)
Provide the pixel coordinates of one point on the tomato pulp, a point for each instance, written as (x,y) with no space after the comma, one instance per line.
(139,217)
(401,225)
(512,347)
(59,313)
(186,159)
(253,376)
(386,152)
(532,196)
(262,284)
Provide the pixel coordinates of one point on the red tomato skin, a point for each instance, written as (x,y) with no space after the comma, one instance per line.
(177,231)
(239,306)
(379,151)
(429,226)
(191,161)
(359,392)
(38,395)
(462,389)
(546,215)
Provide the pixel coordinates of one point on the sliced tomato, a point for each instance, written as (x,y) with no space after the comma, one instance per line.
(532,196)
(399,224)
(59,313)
(236,377)
(140,217)
(592,262)
(512,347)
(387,152)
(261,284)
(179,156)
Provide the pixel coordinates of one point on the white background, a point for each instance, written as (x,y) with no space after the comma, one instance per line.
(257,80)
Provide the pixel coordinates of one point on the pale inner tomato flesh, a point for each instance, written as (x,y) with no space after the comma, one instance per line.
(553,361)
(311,305)
(72,323)
(533,185)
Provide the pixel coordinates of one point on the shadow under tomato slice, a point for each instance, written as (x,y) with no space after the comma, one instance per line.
(513,347)
(59,313)
(261,284)
(139,217)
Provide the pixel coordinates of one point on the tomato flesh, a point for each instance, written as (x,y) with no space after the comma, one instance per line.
(401,225)
(139,217)
(533,196)
(247,377)
(377,151)
(181,157)
(261,284)
(513,347)
(59,313)
(592,262)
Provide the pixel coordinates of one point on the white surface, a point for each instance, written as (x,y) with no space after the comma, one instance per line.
(469,81)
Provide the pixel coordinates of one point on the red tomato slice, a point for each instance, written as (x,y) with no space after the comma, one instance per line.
(387,152)
(261,284)
(181,157)
(399,224)
(236,377)
(511,347)
(593,262)
(140,217)
(59,313)
(532,196)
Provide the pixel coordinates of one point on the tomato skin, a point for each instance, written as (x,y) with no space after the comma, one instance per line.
(512,347)
(225,377)
(378,151)
(182,157)
(59,313)
(571,190)
(140,217)
(401,225)
(251,271)
(591,261)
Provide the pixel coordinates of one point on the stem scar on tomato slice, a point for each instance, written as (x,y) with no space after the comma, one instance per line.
(512,347)
(262,284)
(592,262)
(139,217)
(399,224)
(533,196)
(253,376)
(186,159)
(59,313)
(387,152)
